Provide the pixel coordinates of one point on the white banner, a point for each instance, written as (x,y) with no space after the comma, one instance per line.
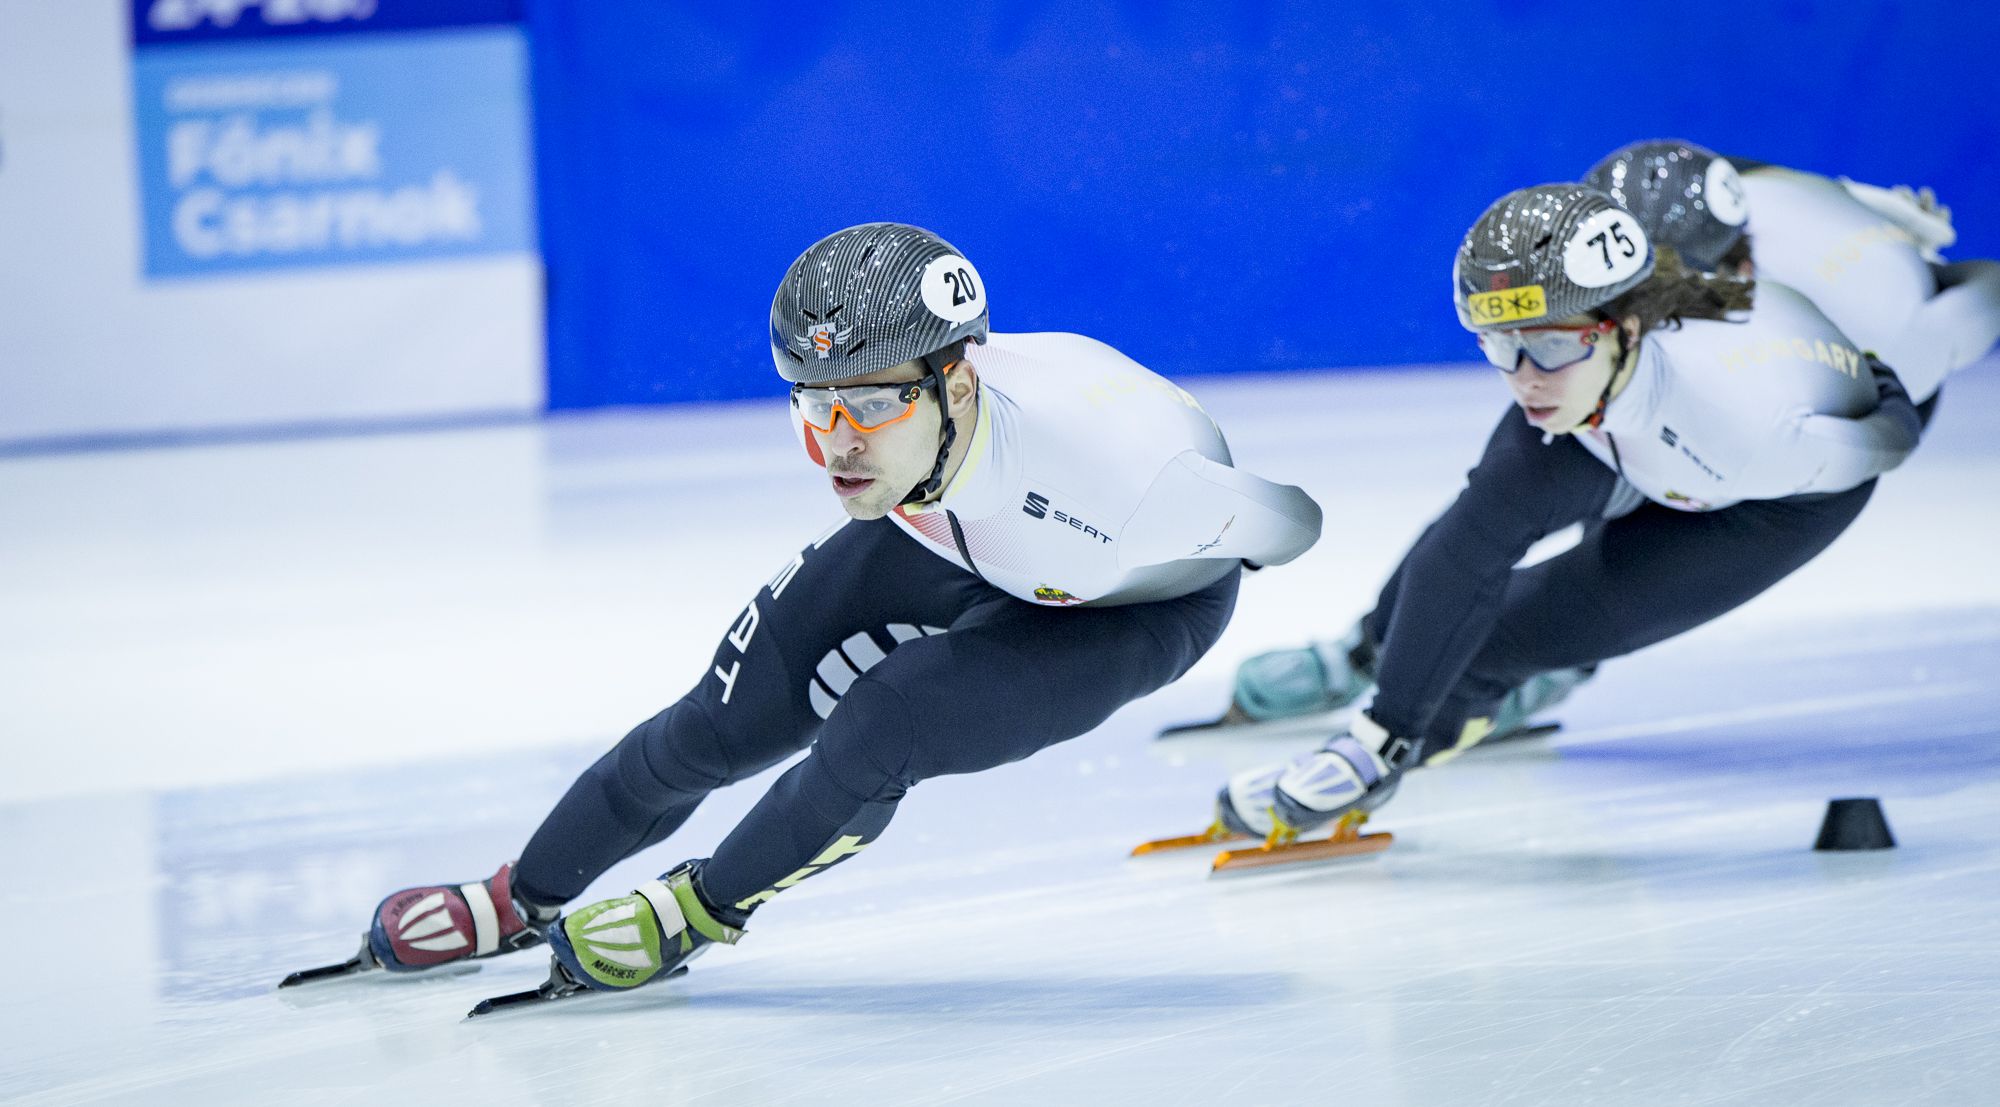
(162,261)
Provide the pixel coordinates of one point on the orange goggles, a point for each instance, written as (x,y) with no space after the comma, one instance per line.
(868,407)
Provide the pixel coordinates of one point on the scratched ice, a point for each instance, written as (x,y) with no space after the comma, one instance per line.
(250,688)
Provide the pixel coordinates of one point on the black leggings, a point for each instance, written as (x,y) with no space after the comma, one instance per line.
(1635,581)
(1457,630)
(894,666)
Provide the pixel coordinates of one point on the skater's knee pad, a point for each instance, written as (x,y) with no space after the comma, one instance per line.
(675,754)
(868,744)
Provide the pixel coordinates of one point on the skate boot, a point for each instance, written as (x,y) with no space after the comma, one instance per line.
(622,943)
(1327,786)
(1242,810)
(1322,676)
(1335,787)
(1347,774)
(421,928)
(1243,806)
(1532,697)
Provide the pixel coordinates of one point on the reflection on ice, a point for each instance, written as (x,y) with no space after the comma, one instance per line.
(230,761)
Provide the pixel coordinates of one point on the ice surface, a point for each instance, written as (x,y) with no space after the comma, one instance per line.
(248,689)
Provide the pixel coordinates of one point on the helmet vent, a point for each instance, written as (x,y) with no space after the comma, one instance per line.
(857,346)
(795,356)
(810,314)
(1542,243)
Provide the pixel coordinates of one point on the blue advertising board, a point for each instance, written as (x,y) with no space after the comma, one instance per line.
(266,144)
(1208,187)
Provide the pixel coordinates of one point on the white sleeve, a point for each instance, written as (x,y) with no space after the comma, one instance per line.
(1916,211)
(1198,508)
(1839,453)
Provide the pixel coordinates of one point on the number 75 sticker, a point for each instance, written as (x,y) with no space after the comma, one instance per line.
(1606,248)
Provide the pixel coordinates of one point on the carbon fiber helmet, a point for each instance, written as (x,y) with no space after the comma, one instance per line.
(861,300)
(1544,253)
(874,296)
(1687,196)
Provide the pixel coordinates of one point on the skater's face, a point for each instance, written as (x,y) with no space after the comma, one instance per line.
(872,466)
(1558,399)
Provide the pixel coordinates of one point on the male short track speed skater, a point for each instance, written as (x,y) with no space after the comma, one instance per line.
(1025,511)
(1711,435)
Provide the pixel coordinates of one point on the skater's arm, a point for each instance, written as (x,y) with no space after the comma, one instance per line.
(1836,453)
(1201,508)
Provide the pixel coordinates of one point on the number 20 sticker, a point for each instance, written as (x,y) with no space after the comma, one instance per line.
(952,289)
(1605,248)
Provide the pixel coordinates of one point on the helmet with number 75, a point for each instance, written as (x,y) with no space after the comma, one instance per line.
(870,297)
(1543,254)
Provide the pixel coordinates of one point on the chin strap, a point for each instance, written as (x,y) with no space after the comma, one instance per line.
(1596,417)
(938,364)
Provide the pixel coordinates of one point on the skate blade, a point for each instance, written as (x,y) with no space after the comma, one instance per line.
(1292,853)
(542,994)
(557,986)
(1233,724)
(363,961)
(1215,835)
(1536,730)
(1232,717)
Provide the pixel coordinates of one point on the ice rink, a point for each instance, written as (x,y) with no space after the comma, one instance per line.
(247,689)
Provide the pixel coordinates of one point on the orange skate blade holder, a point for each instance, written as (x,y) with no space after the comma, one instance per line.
(1216,834)
(1284,848)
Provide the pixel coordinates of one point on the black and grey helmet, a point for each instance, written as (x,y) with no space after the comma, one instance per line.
(1545,253)
(875,296)
(869,297)
(1688,197)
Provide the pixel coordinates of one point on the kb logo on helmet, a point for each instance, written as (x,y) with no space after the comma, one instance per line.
(1512,305)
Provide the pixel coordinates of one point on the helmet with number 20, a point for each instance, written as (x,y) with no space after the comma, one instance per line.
(1546,253)
(870,297)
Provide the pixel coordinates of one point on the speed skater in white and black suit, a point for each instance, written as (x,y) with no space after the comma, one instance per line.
(1867,257)
(1711,435)
(1040,531)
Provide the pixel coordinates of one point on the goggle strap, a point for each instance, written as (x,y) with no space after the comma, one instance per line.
(1604,400)
(939,362)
